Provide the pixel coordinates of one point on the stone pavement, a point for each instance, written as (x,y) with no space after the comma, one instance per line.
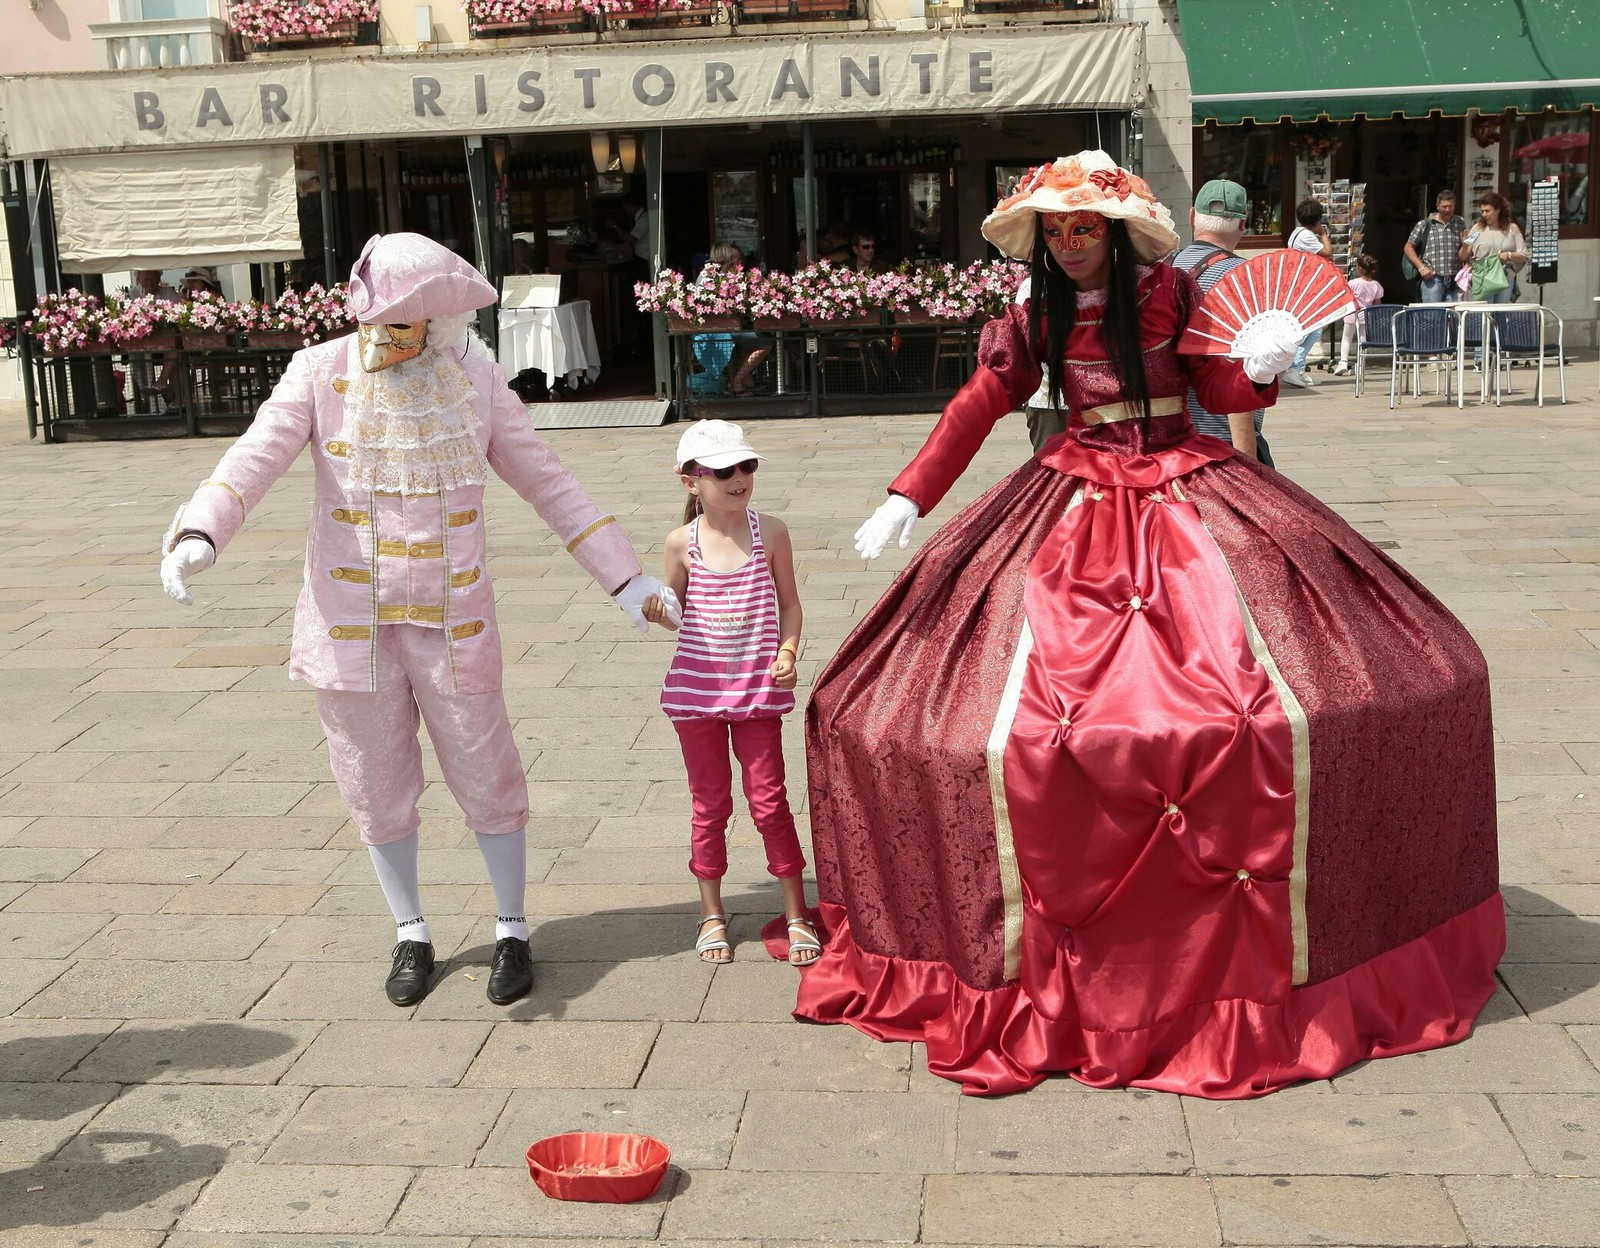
(194,1046)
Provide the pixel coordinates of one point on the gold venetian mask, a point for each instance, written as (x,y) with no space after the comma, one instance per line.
(384,346)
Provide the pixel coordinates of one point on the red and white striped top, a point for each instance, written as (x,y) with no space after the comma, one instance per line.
(729,638)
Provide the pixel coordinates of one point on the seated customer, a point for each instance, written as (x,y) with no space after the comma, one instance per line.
(750,350)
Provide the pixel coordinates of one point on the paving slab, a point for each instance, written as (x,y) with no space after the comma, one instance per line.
(378,1126)
(1503,1057)
(39,1050)
(148,1193)
(409,1054)
(23,978)
(353,1199)
(1560,1134)
(697,1126)
(26,936)
(185,1051)
(501,1201)
(1524,1212)
(1145,1212)
(1321,1209)
(180,938)
(847,1132)
(1112,1132)
(559,1054)
(41,1117)
(331,991)
(139,989)
(1379,1133)
(745,1056)
(241,1121)
(572,990)
(879,1208)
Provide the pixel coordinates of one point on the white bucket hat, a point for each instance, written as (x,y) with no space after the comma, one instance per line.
(714,444)
(1088,182)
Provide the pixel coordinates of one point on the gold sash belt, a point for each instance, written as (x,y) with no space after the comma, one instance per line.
(1111,413)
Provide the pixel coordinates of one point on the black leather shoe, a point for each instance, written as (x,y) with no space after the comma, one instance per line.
(408,977)
(511,974)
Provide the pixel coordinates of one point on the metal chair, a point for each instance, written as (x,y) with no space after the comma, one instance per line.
(1517,338)
(1374,336)
(1423,333)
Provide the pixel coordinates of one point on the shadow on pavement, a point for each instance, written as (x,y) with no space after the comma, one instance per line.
(79,1193)
(1552,954)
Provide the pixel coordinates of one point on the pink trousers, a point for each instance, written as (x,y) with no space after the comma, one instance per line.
(377,759)
(758,745)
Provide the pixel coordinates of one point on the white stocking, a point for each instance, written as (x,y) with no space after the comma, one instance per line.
(506,857)
(396,865)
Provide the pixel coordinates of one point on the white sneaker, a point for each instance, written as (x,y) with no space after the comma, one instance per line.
(1297,377)
(1341,369)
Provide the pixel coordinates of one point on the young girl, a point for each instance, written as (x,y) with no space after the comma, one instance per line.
(1368,291)
(733,676)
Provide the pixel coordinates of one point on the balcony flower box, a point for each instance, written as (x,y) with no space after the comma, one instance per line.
(704,324)
(795,10)
(492,19)
(155,340)
(274,340)
(208,340)
(279,24)
(641,14)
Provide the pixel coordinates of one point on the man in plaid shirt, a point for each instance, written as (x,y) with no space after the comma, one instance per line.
(1433,246)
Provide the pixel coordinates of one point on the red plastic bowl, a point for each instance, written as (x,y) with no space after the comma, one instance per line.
(598,1166)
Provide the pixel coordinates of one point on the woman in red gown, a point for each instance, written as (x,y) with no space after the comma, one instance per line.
(1148,768)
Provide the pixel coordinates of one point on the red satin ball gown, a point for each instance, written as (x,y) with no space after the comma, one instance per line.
(1148,768)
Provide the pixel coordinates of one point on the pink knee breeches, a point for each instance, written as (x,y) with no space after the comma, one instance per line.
(758,745)
(377,760)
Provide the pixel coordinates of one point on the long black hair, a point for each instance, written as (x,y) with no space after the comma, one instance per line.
(1119,329)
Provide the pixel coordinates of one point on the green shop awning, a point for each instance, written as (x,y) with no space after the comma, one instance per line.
(1303,59)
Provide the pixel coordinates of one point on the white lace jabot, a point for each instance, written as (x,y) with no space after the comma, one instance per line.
(411,428)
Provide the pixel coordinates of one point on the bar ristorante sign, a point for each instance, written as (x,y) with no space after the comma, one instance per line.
(571,87)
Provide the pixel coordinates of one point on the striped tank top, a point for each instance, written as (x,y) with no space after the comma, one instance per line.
(728,640)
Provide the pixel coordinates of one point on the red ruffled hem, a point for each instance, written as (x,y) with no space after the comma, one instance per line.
(1422,995)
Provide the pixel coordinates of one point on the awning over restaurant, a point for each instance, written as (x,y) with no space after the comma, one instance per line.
(858,76)
(165,210)
(1264,60)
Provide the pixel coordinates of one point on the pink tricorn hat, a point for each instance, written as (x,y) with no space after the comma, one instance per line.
(403,278)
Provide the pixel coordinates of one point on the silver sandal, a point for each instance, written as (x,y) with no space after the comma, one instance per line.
(710,942)
(804,943)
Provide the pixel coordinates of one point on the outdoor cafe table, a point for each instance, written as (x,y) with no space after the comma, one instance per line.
(1461,311)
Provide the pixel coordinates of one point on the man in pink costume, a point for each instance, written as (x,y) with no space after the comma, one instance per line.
(396,620)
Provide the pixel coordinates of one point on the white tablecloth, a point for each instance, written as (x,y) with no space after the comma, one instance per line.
(559,342)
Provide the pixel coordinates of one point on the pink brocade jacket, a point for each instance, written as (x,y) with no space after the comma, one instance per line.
(375,558)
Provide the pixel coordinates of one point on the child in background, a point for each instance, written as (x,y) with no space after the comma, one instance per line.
(1368,291)
(733,676)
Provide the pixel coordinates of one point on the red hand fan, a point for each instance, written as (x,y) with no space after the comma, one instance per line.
(1258,304)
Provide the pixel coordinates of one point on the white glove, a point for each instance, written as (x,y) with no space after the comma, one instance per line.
(188,558)
(1266,364)
(672,608)
(895,518)
(631,598)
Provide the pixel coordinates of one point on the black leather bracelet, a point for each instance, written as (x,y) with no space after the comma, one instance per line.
(203,536)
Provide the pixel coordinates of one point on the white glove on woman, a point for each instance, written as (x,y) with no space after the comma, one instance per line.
(1266,364)
(631,598)
(188,558)
(895,518)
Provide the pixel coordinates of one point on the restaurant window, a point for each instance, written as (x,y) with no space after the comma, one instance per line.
(1553,145)
(1258,159)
